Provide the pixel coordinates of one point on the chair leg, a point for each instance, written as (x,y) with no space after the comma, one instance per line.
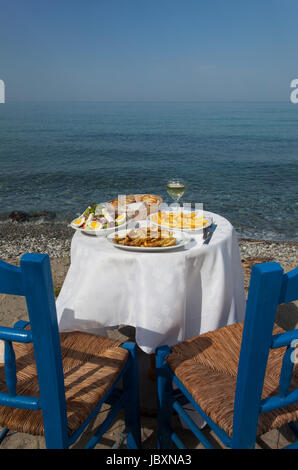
(132,406)
(294,428)
(164,400)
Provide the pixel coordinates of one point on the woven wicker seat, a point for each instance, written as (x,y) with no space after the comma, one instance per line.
(91,364)
(207,366)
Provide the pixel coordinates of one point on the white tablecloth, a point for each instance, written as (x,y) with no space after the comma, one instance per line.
(167,296)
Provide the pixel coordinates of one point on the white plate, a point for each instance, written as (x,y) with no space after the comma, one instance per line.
(181,240)
(102,232)
(184,230)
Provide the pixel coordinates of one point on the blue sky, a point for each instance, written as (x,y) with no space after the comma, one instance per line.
(164,50)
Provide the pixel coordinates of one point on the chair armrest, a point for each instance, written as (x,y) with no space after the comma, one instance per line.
(10,334)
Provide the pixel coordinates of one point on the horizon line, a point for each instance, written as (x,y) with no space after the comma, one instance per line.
(144,101)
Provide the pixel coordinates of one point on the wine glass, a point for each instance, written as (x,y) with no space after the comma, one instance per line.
(175,189)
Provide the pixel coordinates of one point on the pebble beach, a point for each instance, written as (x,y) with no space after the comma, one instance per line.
(17,238)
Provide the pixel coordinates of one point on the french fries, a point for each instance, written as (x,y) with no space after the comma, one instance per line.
(147,237)
(179,220)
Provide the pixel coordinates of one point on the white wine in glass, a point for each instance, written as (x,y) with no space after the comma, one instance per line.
(175,189)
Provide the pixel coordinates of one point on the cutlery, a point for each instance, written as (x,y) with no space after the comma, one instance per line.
(207,234)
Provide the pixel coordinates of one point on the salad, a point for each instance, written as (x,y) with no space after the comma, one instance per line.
(97,217)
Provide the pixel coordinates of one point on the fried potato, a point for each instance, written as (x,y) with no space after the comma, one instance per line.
(147,237)
(180,220)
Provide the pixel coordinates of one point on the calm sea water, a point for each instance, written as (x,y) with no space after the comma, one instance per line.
(239,159)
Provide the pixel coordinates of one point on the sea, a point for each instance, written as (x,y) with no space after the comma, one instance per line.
(240,159)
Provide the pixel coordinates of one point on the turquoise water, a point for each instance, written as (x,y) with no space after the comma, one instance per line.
(239,159)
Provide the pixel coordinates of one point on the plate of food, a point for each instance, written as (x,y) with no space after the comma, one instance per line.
(147,239)
(182,220)
(98,220)
(137,205)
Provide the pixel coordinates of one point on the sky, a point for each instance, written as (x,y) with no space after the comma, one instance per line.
(148,50)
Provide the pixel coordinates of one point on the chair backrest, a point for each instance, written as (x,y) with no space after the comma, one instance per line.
(269,286)
(33,280)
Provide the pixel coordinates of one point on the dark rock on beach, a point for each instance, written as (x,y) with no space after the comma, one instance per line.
(18,216)
(35,217)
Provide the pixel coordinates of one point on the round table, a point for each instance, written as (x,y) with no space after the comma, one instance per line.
(167,296)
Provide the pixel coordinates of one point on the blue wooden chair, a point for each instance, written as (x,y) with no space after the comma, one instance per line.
(243,378)
(54,385)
